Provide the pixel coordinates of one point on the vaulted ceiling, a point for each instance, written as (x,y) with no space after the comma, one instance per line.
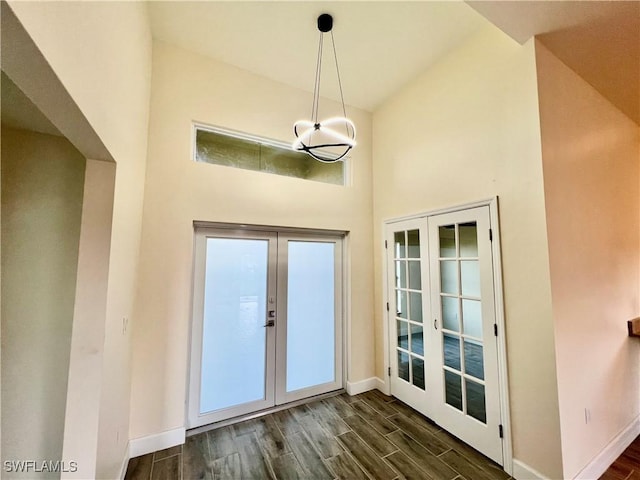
(380,45)
(383,45)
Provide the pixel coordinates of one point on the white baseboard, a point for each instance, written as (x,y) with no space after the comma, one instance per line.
(609,453)
(382,386)
(522,471)
(354,388)
(159,441)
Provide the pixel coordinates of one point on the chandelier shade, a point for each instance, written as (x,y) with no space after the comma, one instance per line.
(328,140)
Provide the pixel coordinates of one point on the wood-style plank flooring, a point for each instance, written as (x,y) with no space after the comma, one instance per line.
(367,436)
(627,465)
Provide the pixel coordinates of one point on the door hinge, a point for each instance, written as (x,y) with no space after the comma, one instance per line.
(500,431)
(495,329)
(491,235)
(389,371)
(387,306)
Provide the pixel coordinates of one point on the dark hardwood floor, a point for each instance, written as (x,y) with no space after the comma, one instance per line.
(367,436)
(627,465)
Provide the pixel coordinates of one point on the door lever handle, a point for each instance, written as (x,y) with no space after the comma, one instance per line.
(270,323)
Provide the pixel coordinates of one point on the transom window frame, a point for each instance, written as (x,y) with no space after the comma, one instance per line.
(269,142)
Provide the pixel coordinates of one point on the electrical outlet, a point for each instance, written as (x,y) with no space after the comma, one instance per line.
(125,325)
(587,416)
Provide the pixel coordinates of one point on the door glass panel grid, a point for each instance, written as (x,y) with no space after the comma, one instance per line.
(461,314)
(468,349)
(406,245)
(410,350)
(408,300)
(411,365)
(455,366)
(408,283)
(465,393)
(459,269)
(463,366)
(409,304)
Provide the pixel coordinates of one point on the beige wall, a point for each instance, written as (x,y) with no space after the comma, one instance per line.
(42,189)
(108,76)
(590,158)
(186,88)
(82,416)
(468,130)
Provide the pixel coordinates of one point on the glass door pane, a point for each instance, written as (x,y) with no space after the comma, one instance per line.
(462,362)
(234,336)
(309,324)
(407,288)
(310,314)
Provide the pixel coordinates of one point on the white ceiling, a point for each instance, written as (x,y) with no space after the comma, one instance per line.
(383,45)
(380,45)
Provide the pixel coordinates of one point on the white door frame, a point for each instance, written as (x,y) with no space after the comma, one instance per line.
(342,310)
(492,203)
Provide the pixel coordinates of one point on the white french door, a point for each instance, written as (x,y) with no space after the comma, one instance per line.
(463,309)
(443,345)
(267,321)
(408,309)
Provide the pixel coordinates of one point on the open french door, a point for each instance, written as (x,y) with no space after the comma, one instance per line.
(267,321)
(443,348)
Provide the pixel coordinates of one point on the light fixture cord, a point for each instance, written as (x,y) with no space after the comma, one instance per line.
(335,57)
(316,88)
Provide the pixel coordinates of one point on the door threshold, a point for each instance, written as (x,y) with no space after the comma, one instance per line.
(260,413)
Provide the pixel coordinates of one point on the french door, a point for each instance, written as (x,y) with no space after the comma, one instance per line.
(443,345)
(408,311)
(267,321)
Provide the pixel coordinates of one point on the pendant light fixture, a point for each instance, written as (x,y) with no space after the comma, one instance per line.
(331,139)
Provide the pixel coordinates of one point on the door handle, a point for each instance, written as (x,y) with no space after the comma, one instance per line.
(435,323)
(271,319)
